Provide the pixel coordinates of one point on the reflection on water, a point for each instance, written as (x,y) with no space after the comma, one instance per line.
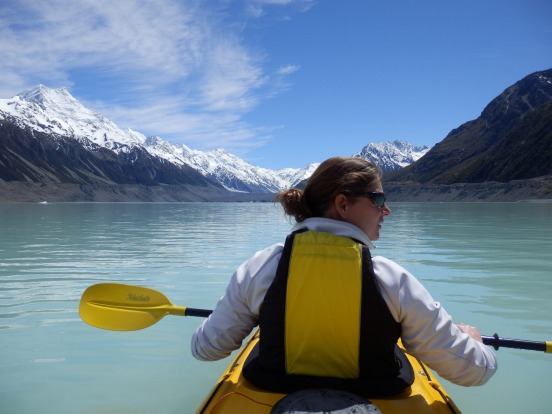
(489,264)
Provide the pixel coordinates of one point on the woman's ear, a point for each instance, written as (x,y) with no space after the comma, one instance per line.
(341,206)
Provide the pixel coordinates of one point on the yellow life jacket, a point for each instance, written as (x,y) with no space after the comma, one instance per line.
(323,315)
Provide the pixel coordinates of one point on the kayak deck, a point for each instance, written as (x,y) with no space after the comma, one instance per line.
(234,394)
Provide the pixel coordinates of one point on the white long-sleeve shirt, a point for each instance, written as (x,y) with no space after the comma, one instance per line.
(427,329)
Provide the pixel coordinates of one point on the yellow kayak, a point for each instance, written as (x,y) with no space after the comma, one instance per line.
(234,394)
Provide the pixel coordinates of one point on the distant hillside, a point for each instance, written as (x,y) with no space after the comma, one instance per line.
(511,140)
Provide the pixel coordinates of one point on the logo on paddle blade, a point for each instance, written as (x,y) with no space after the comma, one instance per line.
(137,298)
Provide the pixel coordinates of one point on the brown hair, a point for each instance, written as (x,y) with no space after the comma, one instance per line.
(338,175)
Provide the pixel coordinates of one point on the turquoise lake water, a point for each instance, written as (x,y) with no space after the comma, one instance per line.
(489,264)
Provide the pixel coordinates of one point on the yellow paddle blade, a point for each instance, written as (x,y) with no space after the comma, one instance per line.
(121,307)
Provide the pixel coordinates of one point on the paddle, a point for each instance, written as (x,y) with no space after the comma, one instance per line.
(119,307)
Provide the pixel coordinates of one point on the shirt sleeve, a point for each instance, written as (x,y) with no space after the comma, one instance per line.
(237,312)
(428,331)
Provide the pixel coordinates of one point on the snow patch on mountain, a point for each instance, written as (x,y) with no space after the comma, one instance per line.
(237,175)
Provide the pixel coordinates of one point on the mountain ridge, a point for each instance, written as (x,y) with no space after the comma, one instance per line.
(57,114)
(51,144)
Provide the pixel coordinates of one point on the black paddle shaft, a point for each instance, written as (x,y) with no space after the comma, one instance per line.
(198,312)
(496,342)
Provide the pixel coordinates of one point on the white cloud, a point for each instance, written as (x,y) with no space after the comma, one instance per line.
(258,8)
(198,130)
(288,70)
(51,38)
(176,68)
(231,77)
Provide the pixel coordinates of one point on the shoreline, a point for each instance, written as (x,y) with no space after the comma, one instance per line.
(535,190)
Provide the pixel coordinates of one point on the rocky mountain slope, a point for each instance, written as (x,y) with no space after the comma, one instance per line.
(511,140)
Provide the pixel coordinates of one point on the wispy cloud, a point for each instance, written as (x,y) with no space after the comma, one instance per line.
(288,70)
(258,8)
(176,69)
(50,39)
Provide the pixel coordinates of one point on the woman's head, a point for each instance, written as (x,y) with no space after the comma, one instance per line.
(333,190)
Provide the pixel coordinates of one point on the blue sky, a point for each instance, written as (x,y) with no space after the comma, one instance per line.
(280,83)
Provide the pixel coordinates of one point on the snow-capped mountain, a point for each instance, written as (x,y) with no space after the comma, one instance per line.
(57,113)
(391,156)
(234,173)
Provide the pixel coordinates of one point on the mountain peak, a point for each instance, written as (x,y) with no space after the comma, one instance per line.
(391,156)
(45,97)
(524,96)
(56,111)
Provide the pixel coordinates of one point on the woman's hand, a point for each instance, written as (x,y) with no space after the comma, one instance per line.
(471,331)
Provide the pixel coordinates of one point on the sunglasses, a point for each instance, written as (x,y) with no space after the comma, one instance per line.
(377,198)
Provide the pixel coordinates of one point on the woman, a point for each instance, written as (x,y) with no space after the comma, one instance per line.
(327,309)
